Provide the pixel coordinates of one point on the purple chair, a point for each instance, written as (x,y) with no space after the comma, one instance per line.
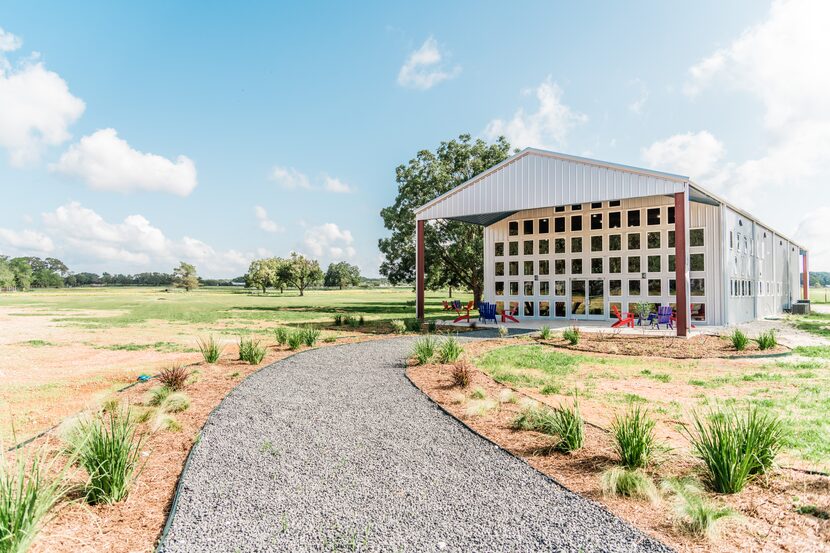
(664,317)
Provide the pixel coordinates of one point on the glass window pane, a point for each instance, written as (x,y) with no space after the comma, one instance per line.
(544,267)
(615,264)
(576,244)
(528,267)
(671,238)
(696,237)
(653,240)
(615,287)
(576,266)
(670,215)
(633,217)
(633,287)
(671,262)
(696,262)
(559,224)
(513,228)
(596,221)
(528,247)
(528,226)
(544,309)
(615,242)
(499,288)
(514,288)
(499,249)
(634,264)
(513,268)
(698,311)
(654,287)
(559,288)
(653,216)
(634,241)
(559,245)
(576,223)
(528,288)
(596,243)
(697,286)
(513,248)
(528,309)
(614,219)
(544,247)
(559,209)
(596,265)
(544,287)
(672,287)
(499,268)
(559,309)
(544,226)
(596,297)
(654,264)
(559,266)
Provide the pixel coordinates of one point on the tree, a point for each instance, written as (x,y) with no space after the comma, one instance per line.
(262,273)
(301,272)
(22,272)
(342,274)
(454,251)
(6,273)
(184,276)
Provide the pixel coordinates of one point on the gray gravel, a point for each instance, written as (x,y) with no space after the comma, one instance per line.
(335,450)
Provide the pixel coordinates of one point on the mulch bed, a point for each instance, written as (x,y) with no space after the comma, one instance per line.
(768,520)
(696,347)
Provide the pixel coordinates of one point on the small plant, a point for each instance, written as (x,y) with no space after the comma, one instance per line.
(634,438)
(174,377)
(338,320)
(424,349)
(813,511)
(694,513)
(545,332)
(413,325)
(27,495)
(109,452)
(449,350)
(251,351)
(176,402)
(739,339)
(766,340)
(629,483)
(110,405)
(211,350)
(295,340)
(643,309)
(361,321)
(398,326)
(572,335)
(165,421)
(330,339)
(503,331)
(157,395)
(462,374)
(563,422)
(735,446)
(281,335)
(478,393)
(550,389)
(432,326)
(508,396)
(310,336)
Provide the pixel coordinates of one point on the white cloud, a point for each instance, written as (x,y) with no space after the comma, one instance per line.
(289,178)
(812,230)
(82,235)
(36,107)
(330,241)
(9,42)
(106,162)
(265,223)
(695,155)
(547,127)
(25,242)
(637,105)
(333,184)
(423,68)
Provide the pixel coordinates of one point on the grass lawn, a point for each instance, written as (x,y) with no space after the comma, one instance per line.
(814,323)
(799,392)
(820,295)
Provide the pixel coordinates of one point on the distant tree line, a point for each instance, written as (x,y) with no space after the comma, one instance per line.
(819,278)
(301,272)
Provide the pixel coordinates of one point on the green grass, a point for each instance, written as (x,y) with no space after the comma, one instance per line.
(821,352)
(565,423)
(449,350)
(251,351)
(696,515)
(659,377)
(531,366)
(634,439)
(739,339)
(424,349)
(211,349)
(814,323)
(38,343)
(629,483)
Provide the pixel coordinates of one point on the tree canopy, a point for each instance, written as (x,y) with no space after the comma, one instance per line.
(184,276)
(301,272)
(454,251)
(342,275)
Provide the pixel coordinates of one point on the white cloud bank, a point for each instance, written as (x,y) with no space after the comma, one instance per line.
(547,127)
(106,162)
(423,69)
(266,223)
(25,242)
(330,241)
(781,63)
(36,107)
(290,178)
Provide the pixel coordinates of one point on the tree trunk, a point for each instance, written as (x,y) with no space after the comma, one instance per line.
(450,292)
(341,286)
(477,293)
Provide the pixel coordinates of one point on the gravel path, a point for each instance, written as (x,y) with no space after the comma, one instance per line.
(334,450)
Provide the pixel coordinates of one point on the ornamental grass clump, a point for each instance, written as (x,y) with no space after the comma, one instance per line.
(310,336)
(295,340)
(281,335)
(413,325)
(462,373)
(251,351)
(545,332)
(27,495)
(739,339)
(572,335)
(109,452)
(174,377)
(766,340)
(211,350)
(634,483)
(563,422)
(503,331)
(634,439)
(424,350)
(695,514)
(398,326)
(449,350)
(735,446)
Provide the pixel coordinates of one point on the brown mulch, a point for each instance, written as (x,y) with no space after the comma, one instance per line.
(135,524)
(696,347)
(767,521)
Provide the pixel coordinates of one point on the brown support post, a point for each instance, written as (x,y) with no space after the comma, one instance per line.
(419,272)
(806,278)
(680,263)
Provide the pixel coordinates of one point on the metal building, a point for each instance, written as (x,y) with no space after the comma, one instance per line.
(567,237)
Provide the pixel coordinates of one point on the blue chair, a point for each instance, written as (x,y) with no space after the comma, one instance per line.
(664,317)
(482,306)
(487,312)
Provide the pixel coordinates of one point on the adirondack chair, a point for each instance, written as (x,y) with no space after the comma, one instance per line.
(482,307)
(664,317)
(487,311)
(466,315)
(623,319)
(447,306)
(510,315)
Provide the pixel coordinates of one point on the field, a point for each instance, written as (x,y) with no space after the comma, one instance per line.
(63,351)
(820,295)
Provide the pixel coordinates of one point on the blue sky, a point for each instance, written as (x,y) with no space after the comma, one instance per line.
(134,135)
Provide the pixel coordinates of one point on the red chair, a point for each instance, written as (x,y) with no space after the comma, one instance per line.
(466,315)
(447,306)
(511,315)
(623,319)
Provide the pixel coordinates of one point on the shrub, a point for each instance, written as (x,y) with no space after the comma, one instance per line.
(398,326)
(629,483)
(424,350)
(766,340)
(157,395)
(176,402)
(478,393)
(295,340)
(643,309)
(462,373)
(565,423)
(330,339)
(361,321)
(735,446)
(165,421)
(281,335)
(449,350)
(544,332)
(174,377)
(251,351)
(508,396)
(310,336)
(413,325)
(738,339)
(27,495)
(432,325)
(211,350)
(338,320)
(109,452)
(634,437)
(571,335)
(695,514)
(503,331)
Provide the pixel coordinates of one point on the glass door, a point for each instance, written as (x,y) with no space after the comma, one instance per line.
(587,299)
(596,299)
(578,297)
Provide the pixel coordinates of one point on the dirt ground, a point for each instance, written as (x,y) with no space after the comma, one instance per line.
(767,522)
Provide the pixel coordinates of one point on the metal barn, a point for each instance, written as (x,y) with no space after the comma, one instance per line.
(567,237)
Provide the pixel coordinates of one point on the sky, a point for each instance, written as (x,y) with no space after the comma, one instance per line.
(135,135)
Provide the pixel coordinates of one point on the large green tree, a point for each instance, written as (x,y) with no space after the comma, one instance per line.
(301,272)
(184,276)
(454,250)
(6,273)
(342,274)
